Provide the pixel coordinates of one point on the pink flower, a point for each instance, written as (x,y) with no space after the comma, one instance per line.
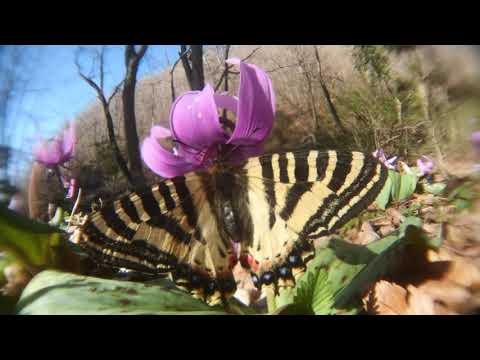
(71,188)
(425,165)
(380,155)
(57,151)
(198,135)
(475,138)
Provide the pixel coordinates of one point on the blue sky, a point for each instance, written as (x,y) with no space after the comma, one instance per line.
(54,93)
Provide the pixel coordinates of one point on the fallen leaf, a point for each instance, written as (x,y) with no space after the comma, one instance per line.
(388,298)
(385,230)
(366,234)
(419,302)
(17,279)
(395,217)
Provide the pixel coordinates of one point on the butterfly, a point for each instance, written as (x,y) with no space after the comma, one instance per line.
(265,213)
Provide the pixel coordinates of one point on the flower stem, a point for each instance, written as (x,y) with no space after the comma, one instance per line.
(271,304)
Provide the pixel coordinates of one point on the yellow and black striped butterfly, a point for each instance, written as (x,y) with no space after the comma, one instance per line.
(272,206)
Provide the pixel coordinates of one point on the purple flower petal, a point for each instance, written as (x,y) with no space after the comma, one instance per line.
(475,138)
(390,163)
(227,102)
(163,162)
(195,124)
(56,151)
(425,165)
(256,105)
(160,132)
(49,153)
(72,188)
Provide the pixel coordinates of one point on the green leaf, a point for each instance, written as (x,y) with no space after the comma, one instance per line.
(313,295)
(396,179)
(341,271)
(408,183)
(463,192)
(435,189)
(322,299)
(32,243)
(54,292)
(384,196)
(58,217)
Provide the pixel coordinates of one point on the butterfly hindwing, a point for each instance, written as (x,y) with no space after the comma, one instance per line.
(300,196)
(168,228)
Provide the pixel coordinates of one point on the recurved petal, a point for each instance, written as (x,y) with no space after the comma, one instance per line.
(160,132)
(163,162)
(228,102)
(256,105)
(194,122)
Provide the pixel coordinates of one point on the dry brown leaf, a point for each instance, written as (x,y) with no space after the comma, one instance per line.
(385,230)
(366,234)
(395,217)
(447,293)
(388,298)
(419,303)
(17,278)
(431,229)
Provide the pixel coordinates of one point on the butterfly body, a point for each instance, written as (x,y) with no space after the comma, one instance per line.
(272,207)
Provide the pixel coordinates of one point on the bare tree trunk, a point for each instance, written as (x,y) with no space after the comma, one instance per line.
(132,61)
(326,94)
(193,66)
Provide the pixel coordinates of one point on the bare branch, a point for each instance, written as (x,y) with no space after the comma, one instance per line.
(182,54)
(115,91)
(228,67)
(108,116)
(251,54)
(326,93)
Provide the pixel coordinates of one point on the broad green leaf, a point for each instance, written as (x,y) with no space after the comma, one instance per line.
(384,197)
(395,179)
(435,189)
(341,271)
(32,243)
(408,183)
(58,217)
(54,292)
(322,299)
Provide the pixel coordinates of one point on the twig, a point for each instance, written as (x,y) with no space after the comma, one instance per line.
(172,85)
(228,67)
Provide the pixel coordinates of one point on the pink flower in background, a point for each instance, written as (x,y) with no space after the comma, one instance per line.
(425,165)
(197,133)
(380,155)
(475,138)
(17,204)
(71,188)
(57,151)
